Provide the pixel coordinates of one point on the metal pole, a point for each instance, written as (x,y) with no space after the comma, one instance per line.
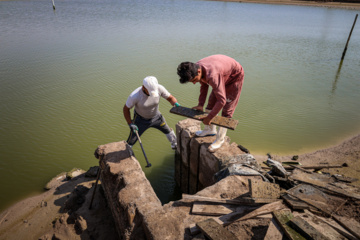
(148,164)
(96,183)
(343,55)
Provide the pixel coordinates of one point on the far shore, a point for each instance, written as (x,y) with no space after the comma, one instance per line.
(328,4)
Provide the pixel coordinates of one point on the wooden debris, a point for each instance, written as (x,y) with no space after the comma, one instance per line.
(336,226)
(195,114)
(294,203)
(215,209)
(344,179)
(263,190)
(283,216)
(274,231)
(316,167)
(300,168)
(214,231)
(327,229)
(325,202)
(349,224)
(239,216)
(306,229)
(321,181)
(238,201)
(265,209)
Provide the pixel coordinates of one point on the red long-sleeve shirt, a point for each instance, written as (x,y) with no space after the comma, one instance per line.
(220,72)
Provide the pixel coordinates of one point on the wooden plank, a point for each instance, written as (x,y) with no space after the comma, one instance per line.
(239,216)
(239,201)
(336,226)
(349,224)
(195,114)
(274,231)
(261,189)
(317,198)
(306,229)
(283,216)
(214,231)
(322,226)
(211,209)
(321,181)
(294,203)
(291,167)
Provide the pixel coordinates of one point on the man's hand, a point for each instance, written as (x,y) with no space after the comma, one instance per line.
(133,127)
(199,108)
(206,120)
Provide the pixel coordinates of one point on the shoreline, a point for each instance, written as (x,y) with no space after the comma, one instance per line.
(343,5)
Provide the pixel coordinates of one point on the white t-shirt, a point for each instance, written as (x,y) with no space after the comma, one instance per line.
(146,106)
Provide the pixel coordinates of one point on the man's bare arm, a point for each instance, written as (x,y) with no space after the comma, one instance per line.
(126,112)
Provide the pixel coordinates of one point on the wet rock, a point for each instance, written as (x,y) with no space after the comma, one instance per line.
(92,172)
(74,173)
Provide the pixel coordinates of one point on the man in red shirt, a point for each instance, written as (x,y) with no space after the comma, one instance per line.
(226,76)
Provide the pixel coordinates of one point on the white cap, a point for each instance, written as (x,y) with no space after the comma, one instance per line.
(151,84)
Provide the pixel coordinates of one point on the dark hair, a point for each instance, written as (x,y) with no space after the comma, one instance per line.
(187,71)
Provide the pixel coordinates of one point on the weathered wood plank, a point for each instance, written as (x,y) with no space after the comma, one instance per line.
(321,181)
(320,225)
(305,229)
(195,114)
(335,226)
(311,195)
(261,189)
(239,216)
(238,201)
(349,224)
(294,203)
(291,167)
(214,231)
(283,216)
(210,209)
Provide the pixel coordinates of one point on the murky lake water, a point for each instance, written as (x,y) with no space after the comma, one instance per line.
(66,74)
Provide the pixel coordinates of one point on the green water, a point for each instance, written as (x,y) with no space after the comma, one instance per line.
(65,76)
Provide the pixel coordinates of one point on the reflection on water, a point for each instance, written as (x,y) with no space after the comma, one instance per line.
(66,74)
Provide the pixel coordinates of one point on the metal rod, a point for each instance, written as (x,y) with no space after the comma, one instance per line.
(96,183)
(148,164)
(344,52)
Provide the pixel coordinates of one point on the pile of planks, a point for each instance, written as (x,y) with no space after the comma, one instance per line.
(302,204)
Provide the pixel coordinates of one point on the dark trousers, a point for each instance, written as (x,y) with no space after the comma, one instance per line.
(157,122)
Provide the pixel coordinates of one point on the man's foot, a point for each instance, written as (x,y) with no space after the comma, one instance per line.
(220,139)
(209,130)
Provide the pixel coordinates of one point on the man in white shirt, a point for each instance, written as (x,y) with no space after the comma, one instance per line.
(146,100)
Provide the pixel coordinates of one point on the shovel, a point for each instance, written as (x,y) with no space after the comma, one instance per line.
(142,148)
